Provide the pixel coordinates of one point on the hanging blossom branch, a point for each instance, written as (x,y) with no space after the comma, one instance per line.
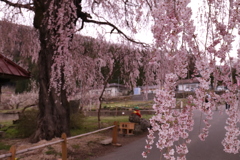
(61,69)
(170,123)
(169,33)
(224,37)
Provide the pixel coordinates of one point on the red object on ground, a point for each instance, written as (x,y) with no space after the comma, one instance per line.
(137,112)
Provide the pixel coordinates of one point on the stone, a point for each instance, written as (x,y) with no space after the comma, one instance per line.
(141,123)
(134,118)
(137,129)
(145,124)
(106,141)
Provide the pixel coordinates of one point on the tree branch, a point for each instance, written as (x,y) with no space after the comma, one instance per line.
(28,106)
(150,6)
(28,6)
(117,29)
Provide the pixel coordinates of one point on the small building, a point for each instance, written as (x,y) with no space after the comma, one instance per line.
(187,85)
(150,89)
(220,88)
(112,90)
(137,91)
(11,71)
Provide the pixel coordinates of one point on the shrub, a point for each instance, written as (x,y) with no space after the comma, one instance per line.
(27,123)
(76,120)
(4,146)
(105,107)
(11,132)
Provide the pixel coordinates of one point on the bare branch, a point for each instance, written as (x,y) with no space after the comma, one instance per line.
(28,6)
(28,106)
(117,29)
(150,6)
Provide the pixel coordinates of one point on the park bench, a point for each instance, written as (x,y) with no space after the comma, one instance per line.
(126,128)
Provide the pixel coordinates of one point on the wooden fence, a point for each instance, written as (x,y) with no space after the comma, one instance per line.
(63,141)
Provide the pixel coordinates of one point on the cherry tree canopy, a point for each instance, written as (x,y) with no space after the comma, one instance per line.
(59,67)
(210,35)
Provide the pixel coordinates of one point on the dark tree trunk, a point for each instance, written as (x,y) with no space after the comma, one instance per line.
(54,112)
(108,77)
(53,119)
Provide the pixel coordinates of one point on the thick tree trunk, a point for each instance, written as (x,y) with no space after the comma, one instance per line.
(55,33)
(54,111)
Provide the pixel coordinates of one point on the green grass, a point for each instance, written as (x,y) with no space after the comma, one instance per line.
(4,146)
(147,116)
(51,151)
(128,104)
(11,132)
(76,146)
(91,123)
(9,129)
(6,125)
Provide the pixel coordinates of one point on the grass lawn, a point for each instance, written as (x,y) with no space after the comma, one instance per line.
(88,124)
(4,146)
(91,123)
(128,104)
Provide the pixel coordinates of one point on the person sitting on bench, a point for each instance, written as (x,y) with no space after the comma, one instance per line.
(137,112)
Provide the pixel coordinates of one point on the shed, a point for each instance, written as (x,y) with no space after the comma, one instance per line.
(10,71)
(187,84)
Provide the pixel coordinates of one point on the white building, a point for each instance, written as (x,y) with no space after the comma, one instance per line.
(149,89)
(112,90)
(187,85)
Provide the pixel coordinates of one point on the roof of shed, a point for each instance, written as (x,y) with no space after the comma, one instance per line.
(10,70)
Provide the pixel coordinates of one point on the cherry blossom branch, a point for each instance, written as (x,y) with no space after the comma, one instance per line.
(101,95)
(208,21)
(149,5)
(28,106)
(28,6)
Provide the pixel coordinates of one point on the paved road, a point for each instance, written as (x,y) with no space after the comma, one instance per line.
(211,149)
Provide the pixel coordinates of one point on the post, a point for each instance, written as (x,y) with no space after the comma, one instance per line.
(13,151)
(64,146)
(115,133)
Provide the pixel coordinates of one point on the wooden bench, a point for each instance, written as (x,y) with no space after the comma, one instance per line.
(126,128)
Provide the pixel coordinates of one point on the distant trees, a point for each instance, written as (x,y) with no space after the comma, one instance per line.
(19,43)
(24,100)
